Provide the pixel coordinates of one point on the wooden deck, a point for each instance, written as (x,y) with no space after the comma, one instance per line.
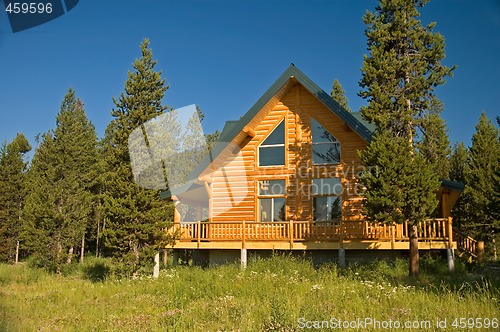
(306,235)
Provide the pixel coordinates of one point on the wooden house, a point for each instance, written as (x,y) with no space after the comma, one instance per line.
(285,177)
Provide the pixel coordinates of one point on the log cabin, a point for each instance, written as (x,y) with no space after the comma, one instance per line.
(285,177)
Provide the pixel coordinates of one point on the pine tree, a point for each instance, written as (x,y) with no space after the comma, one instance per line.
(135,217)
(12,194)
(482,164)
(59,205)
(338,94)
(458,160)
(398,79)
(435,145)
(40,227)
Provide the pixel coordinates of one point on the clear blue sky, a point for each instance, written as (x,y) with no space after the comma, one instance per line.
(222,55)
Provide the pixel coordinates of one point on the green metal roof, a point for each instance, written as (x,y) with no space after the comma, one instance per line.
(453,185)
(370,126)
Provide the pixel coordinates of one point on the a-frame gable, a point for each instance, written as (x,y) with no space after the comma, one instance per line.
(234,133)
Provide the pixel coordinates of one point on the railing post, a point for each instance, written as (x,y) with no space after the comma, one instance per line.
(198,233)
(290,233)
(243,234)
(392,236)
(341,233)
(480,251)
(450,233)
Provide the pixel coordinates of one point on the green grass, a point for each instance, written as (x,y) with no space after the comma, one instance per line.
(270,295)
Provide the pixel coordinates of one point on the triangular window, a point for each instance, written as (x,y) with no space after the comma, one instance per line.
(325,147)
(272,149)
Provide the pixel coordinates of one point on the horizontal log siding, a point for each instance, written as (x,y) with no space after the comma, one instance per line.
(301,106)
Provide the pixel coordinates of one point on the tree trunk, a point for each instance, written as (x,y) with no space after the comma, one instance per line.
(414,259)
(165,256)
(82,252)
(97,238)
(17,252)
(58,253)
(70,255)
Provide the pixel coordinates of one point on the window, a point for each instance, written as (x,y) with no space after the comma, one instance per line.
(325,147)
(272,149)
(327,200)
(272,200)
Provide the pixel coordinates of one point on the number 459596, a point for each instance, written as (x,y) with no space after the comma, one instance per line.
(31,8)
(478,323)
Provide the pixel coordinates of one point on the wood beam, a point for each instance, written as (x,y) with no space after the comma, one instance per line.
(249,131)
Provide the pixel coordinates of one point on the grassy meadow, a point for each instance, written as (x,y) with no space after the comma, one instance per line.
(275,294)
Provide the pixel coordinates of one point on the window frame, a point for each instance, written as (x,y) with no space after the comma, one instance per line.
(272,197)
(281,121)
(335,221)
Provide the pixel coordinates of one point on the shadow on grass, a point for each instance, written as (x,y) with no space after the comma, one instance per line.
(434,275)
(97,271)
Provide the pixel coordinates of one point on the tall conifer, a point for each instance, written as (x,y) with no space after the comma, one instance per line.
(482,164)
(12,194)
(338,94)
(135,218)
(458,161)
(398,80)
(60,200)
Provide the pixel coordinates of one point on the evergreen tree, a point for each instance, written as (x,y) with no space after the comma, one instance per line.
(435,145)
(12,195)
(59,205)
(41,236)
(458,160)
(482,164)
(398,80)
(338,94)
(135,217)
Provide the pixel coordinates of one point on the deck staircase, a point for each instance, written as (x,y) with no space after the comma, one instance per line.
(467,246)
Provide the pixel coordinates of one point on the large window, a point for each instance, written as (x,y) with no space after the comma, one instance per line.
(327,199)
(272,200)
(272,149)
(325,147)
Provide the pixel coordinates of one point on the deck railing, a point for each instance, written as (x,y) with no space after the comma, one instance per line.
(465,243)
(438,229)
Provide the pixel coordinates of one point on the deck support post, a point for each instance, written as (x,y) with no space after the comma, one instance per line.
(480,251)
(165,257)
(450,254)
(243,254)
(342,257)
(156,269)
(341,249)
